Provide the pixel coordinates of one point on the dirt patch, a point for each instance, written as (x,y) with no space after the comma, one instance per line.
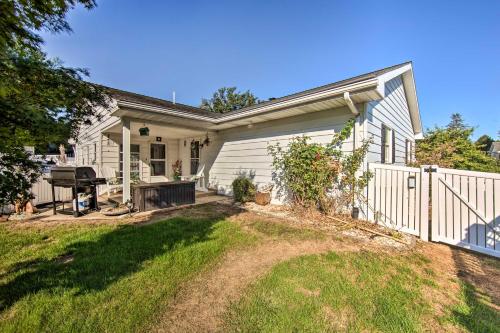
(199,305)
(340,225)
(313,221)
(338,320)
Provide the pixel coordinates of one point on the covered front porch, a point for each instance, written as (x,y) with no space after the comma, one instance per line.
(142,151)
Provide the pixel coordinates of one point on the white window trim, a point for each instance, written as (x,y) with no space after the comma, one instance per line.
(388,145)
(120,160)
(151,160)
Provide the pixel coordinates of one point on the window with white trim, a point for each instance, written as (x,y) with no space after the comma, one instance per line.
(134,161)
(387,145)
(157,159)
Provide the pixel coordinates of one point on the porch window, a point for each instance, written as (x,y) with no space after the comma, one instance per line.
(157,159)
(134,161)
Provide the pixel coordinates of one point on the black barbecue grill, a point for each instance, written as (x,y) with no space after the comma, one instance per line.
(80,180)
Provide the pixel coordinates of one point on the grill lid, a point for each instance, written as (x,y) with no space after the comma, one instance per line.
(72,173)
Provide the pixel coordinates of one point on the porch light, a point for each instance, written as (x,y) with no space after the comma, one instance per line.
(206,141)
(144,131)
(411,182)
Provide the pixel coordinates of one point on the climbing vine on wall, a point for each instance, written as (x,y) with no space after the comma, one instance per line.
(313,175)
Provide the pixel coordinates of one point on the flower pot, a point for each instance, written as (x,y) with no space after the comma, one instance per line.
(263,198)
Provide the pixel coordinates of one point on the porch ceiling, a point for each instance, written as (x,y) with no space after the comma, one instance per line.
(157,115)
(162,130)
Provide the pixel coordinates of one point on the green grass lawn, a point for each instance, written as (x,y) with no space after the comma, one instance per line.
(473,312)
(353,292)
(119,278)
(103,278)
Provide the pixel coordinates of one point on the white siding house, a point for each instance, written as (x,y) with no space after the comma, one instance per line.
(383,102)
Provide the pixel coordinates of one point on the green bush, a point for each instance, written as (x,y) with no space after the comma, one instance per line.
(243,189)
(321,176)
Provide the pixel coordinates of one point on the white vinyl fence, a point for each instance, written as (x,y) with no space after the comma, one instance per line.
(465,204)
(42,191)
(466,209)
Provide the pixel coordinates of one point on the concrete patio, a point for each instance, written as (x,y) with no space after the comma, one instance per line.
(45,213)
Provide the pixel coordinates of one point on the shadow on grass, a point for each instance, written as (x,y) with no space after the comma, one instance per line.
(475,312)
(94,264)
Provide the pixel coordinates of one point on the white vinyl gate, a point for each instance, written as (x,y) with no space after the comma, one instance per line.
(466,209)
(465,204)
(398,198)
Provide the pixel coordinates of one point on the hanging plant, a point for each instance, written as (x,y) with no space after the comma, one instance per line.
(144,131)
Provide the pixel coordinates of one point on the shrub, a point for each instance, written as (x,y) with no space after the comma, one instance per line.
(452,147)
(320,176)
(243,189)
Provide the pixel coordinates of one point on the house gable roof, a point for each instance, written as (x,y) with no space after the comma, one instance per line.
(370,81)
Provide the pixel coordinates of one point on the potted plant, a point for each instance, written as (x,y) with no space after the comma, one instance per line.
(177,169)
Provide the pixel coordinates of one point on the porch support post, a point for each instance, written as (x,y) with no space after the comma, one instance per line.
(126,158)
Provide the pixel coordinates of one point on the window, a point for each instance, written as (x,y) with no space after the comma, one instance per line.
(157,159)
(388,153)
(195,156)
(409,151)
(134,161)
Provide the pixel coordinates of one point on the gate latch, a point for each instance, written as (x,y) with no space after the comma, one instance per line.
(430,169)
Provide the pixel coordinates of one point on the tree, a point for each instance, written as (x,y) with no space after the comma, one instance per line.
(484,142)
(457,122)
(228,99)
(452,147)
(41,101)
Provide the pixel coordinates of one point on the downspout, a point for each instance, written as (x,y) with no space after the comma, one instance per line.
(355,112)
(355,139)
(350,104)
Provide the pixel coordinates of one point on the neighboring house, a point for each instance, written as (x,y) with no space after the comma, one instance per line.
(494,150)
(229,145)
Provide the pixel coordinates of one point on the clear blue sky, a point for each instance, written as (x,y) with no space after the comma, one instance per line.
(275,48)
